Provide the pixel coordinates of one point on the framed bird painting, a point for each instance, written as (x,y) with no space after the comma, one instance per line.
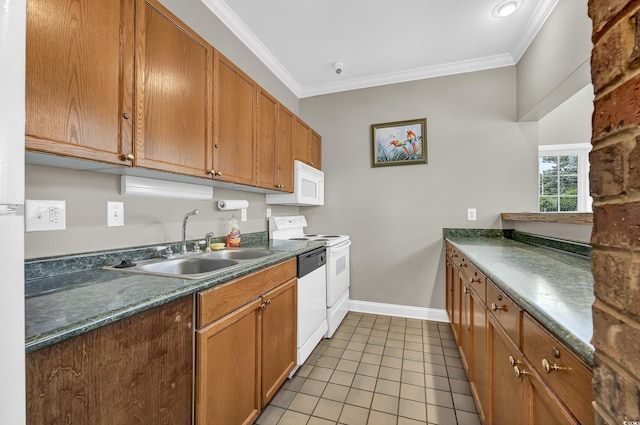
(399,143)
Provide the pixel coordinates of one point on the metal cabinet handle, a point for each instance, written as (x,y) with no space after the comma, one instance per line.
(548,367)
(496,307)
(513,361)
(519,372)
(215,173)
(129,157)
(126,116)
(466,290)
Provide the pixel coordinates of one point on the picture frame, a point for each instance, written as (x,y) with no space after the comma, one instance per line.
(399,143)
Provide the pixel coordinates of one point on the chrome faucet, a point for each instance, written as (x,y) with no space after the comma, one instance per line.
(208,237)
(184,230)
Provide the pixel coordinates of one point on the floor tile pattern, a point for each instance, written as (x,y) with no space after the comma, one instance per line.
(378,370)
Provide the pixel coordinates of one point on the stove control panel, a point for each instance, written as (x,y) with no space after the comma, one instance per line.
(288,222)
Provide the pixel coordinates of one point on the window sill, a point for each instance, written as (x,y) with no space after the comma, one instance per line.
(568,218)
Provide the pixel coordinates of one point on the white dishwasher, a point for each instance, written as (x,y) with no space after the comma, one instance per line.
(312,302)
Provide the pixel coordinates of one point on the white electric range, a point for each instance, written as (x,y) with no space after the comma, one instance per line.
(338,275)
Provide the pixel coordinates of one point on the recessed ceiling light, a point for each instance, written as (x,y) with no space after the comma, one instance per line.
(506,8)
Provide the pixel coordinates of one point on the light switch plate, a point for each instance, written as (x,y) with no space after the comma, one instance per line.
(41,215)
(115,214)
(471,214)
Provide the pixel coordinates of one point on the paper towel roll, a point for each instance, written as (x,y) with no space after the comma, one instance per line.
(233,204)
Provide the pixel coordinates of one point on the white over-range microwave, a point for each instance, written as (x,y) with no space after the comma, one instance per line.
(308,187)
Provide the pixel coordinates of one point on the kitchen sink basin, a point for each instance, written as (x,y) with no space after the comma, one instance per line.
(197,266)
(240,253)
(188,265)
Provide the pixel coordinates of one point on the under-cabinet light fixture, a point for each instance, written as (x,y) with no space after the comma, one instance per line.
(131,185)
(506,8)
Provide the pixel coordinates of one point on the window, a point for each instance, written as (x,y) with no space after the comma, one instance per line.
(563,178)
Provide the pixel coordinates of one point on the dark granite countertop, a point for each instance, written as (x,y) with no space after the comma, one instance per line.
(554,287)
(61,306)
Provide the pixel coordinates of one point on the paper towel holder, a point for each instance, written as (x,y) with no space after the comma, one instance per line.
(234,204)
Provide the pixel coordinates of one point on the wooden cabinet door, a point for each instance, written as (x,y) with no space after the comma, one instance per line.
(466,306)
(267,138)
(136,370)
(279,318)
(173,93)
(479,380)
(450,293)
(455,319)
(227,378)
(284,148)
(79,78)
(545,407)
(234,117)
(508,401)
(316,150)
(302,142)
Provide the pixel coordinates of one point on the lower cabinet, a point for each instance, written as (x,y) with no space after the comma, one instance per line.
(508,394)
(245,344)
(136,370)
(518,372)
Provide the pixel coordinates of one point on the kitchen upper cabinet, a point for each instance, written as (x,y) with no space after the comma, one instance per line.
(234,120)
(79,78)
(315,154)
(136,370)
(274,144)
(302,141)
(267,139)
(173,93)
(284,149)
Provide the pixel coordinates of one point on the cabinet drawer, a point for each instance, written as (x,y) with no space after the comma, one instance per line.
(474,279)
(452,253)
(504,310)
(559,368)
(220,300)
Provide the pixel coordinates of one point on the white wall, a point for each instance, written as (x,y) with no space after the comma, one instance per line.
(478,156)
(570,122)
(556,64)
(147,220)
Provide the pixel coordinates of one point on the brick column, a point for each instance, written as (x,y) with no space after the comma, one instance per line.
(615,187)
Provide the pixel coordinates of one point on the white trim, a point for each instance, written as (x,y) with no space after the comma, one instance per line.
(537,20)
(471,65)
(232,21)
(253,43)
(423,313)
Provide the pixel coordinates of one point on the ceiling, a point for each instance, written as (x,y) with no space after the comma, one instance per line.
(378,41)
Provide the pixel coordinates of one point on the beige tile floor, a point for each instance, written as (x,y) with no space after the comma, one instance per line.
(378,370)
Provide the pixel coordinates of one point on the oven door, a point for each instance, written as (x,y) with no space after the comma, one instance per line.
(338,276)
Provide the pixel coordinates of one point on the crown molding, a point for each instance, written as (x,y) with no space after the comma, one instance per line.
(480,64)
(253,43)
(535,23)
(229,18)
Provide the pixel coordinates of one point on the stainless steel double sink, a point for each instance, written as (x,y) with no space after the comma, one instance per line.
(199,266)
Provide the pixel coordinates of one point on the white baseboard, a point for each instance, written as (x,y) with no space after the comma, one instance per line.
(423,313)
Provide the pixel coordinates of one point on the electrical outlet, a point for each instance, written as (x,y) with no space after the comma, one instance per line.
(115,214)
(243,214)
(471,214)
(268,212)
(45,215)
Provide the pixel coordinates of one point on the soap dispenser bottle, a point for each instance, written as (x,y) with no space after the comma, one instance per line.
(233,236)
